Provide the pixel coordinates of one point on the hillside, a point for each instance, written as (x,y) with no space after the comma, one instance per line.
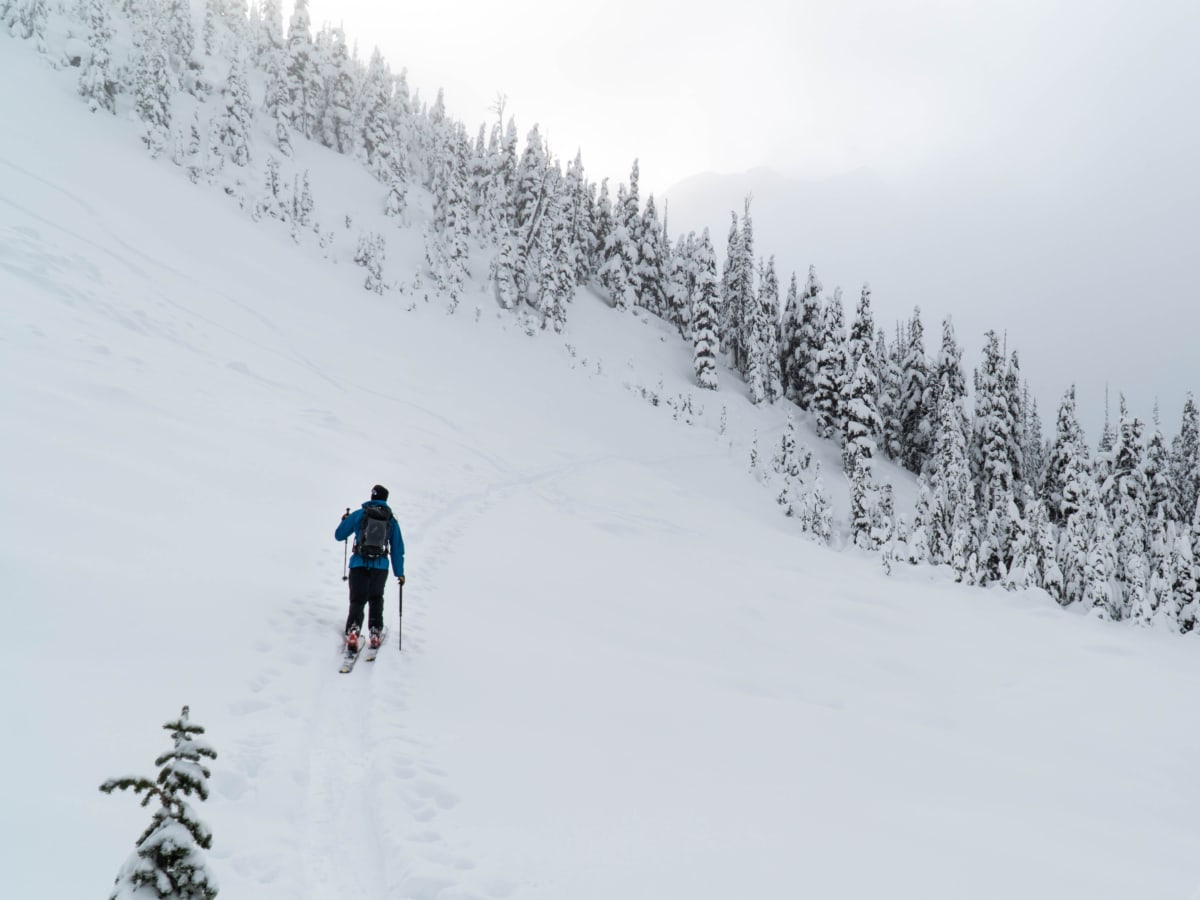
(625,673)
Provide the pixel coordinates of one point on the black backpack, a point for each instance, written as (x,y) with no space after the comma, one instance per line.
(374,532)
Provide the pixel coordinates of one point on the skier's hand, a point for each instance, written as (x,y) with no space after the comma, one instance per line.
(400,578)
(345,515)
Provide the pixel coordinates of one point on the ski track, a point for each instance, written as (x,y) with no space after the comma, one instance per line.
(370,795)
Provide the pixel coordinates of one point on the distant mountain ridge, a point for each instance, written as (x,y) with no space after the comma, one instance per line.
(844,225)
(804,209)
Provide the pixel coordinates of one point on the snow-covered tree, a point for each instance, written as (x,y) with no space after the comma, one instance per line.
(303,77)
(508,260)
(789,324)
(370,254)
(1185,598)
(1161,494)
(378,134)
(951,492)
(302,201)
(864,499)
(602,226)
(179,40)
(274,202)
(761,347)
(449,226)
(621,248)
(861,342)
(267,30)
(994,434)
(916,418)
(1020,554)
(816,513)
(1049,575)
(681,283)
(705,341)
(168,861)
(889,405)
(153,90)
(734,293)
(191,150)
(748,328)
(860,404)
(1014,397)
(1086,555)
(1067,448)
(555,259)
(1098,593)
(226,29)
(861,418)
(235,120)
(801,342)
(619,270)
(916,542)
(1185,459)
(97,81)
(788,464)
(1033,445)
(803,495)
(1125,496)
(883,523)
(653,260)
(1105,448)
(26,19)
(947,378)
(578,202)
(336,126)
(829,386)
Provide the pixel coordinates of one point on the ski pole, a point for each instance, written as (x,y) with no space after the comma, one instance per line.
(345,550)
(400,622)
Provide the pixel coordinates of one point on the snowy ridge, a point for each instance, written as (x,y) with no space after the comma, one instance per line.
(624,674)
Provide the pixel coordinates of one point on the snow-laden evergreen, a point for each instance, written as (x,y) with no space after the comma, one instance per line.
(169,861)
(705,315)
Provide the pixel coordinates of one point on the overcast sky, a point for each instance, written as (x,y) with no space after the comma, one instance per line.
(1052,146)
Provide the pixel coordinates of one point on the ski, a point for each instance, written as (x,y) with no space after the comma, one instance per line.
(369,653)
(349,658)
(365,650)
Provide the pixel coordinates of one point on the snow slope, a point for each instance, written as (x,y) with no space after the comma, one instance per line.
(624,674)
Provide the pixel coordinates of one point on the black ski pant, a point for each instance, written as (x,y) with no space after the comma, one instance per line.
(366,588)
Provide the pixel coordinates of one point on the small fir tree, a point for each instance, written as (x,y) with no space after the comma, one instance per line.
(370,255)
(863,501)
(168,862)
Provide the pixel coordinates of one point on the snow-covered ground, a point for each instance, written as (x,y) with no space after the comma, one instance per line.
(624,673)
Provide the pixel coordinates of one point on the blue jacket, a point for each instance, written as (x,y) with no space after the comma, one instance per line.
(349,526)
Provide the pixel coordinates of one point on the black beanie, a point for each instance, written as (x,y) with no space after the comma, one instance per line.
(379,492)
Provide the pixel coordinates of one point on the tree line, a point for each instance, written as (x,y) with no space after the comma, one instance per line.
(1112,527)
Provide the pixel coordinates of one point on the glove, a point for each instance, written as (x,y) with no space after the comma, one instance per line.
(400,578)
(345,515)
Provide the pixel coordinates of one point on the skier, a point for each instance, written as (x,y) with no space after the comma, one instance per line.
(375,530)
